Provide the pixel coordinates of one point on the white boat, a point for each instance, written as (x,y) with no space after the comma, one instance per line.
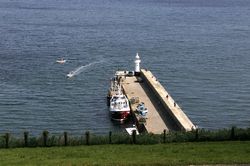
(61,61)
(71,74)
(131,129)
(119,106)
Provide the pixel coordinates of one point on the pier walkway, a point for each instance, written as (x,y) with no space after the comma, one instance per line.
(163,112)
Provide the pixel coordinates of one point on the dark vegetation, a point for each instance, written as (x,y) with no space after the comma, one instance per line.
(47,140)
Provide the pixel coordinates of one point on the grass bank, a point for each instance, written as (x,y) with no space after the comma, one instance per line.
(228,152)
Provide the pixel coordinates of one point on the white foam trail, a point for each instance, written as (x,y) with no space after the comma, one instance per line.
(80,69)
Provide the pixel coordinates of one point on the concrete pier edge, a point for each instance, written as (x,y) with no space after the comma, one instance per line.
(165,98)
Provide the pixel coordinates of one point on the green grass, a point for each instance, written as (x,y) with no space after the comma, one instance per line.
(138,155)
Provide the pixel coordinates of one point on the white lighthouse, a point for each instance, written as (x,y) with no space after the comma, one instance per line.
(137,65)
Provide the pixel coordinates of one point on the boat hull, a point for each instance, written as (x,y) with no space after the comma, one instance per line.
(119,115)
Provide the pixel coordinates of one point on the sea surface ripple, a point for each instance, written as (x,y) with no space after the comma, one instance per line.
(198,49)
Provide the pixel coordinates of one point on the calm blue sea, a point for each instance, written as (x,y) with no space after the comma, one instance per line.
(198,49)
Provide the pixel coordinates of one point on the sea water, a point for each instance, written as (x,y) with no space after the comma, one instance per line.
(198,49)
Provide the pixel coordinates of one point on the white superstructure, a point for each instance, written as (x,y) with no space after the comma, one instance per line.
(119,105)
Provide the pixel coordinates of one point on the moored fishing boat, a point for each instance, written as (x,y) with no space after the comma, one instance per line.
(118,103)
(119,107)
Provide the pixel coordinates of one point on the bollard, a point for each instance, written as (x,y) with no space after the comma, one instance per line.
(7,139)
(65,134)
(164,136)
(134,136)
(233,133)
(26,134)
(87,137)
(110,137)
(45,138)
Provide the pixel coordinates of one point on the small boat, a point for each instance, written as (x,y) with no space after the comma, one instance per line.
(61,61)
(119,106)
(71,74)
(131,129)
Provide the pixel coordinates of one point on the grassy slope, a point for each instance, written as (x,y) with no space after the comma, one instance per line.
(167,154)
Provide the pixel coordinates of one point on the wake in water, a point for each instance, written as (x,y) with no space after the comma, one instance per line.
(80,69)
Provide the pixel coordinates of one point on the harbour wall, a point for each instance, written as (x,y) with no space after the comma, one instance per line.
(172,108)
